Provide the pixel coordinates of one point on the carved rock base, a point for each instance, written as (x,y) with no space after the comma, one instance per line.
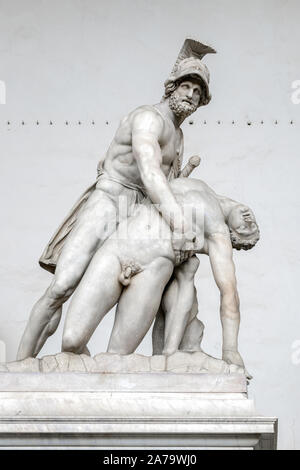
(179,362)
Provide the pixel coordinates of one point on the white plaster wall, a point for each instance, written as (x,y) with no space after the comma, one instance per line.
(95,60)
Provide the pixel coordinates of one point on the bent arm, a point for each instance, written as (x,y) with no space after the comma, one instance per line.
(146,133)
(220,255)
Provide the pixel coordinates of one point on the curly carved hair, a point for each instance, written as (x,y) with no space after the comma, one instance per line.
(240,243)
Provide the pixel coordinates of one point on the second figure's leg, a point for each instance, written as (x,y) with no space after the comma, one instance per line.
(138,306)
(98,292)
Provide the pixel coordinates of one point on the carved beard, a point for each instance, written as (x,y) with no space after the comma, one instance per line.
(179,108)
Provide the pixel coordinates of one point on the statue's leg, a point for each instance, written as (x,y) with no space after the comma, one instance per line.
(158,332)
(180,307)
(95,223)
(177,302)
(193,333)
(98,292)
(49,329)
(138,306)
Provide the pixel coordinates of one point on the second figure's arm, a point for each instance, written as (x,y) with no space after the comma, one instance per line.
(220,255)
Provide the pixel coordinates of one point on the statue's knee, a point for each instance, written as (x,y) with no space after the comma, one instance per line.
(195,328)
(62,287)
(168,351)
(200,332)
(201,325)
(71,343)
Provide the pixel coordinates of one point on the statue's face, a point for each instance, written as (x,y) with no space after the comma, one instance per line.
(189,91)
(185,99)
(242,221)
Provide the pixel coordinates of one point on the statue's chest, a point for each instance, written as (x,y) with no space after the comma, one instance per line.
(171,147)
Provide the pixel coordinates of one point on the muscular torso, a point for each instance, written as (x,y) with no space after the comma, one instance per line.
(119,160)
(149,236)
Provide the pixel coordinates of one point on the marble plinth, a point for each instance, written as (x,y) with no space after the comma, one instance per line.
(126,410)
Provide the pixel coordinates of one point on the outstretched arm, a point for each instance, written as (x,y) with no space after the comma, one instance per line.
(220,255)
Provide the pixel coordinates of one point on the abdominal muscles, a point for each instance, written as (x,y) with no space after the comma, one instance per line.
(142,238)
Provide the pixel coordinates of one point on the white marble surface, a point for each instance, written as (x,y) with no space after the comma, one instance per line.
(128,410)
(235,433)
(44,168)
(133,382)
(114,395)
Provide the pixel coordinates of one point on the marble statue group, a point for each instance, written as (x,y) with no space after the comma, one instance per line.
(133,238)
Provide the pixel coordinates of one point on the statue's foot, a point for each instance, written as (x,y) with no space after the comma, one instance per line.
(233,358)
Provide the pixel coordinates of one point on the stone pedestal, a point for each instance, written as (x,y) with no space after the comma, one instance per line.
(130,410)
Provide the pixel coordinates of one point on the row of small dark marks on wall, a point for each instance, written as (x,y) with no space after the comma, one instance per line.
(52,123)
(248,123)
(191,122)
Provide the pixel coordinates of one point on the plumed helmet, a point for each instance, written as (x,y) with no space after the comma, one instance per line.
(188,64)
